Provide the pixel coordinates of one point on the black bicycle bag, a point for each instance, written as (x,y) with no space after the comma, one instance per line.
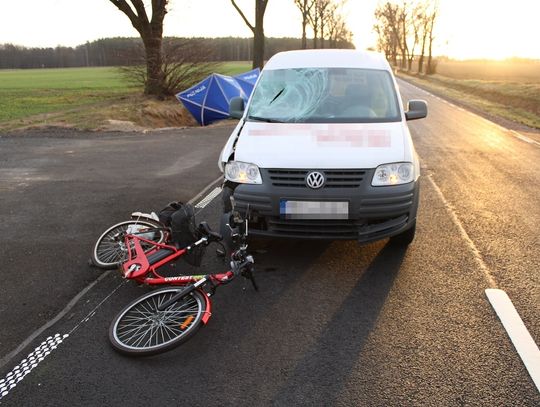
(165,215)
(185,232)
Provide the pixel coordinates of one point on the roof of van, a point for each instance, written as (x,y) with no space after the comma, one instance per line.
(328,58)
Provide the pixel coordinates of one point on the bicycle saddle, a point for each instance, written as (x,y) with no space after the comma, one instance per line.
(206,231)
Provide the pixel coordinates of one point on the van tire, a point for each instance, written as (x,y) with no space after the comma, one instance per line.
(406,238)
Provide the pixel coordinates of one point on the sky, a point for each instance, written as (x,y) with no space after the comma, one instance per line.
(466,28)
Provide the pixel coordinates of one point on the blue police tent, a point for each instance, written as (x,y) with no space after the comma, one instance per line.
(208,100)
(247,81)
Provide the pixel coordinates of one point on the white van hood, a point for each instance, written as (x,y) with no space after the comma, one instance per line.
(306,145)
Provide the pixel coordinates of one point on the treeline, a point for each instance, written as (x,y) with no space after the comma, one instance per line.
(123,51)
(405,31)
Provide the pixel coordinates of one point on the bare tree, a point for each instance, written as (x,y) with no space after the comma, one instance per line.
(417,25)
(424,20)
(430,69)
(151,32)
(401,28)
(313,18)
(184,62)
(387,28)
(323,9)
(336,27)
(305,7)
(403,32)
(257,29)
(318,18)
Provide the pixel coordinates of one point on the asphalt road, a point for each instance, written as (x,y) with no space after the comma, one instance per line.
(333,324)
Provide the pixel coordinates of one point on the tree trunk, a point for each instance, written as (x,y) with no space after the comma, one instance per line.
(429,69)
(258,35)
(258,48)
(404,49)
(257,30)
(154,73)
(305,7)
(421,60)
(151,31)
(304,38)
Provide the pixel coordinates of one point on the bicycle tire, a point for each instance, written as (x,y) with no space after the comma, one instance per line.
(137,329)
(109,251)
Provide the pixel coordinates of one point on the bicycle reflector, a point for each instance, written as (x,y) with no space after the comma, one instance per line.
(186,323)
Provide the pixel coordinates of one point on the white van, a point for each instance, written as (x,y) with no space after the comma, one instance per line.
(322,150)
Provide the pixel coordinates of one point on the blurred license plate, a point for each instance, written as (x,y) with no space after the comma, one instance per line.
(313,210)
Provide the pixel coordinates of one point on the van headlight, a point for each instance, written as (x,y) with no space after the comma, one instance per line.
(243,173)
(393,174)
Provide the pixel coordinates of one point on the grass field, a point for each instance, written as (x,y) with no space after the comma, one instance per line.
(82,96)
(522,71)
(509,89)
(234,67)
(89,97)
(25,93)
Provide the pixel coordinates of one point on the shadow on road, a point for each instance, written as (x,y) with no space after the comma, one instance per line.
(322,372)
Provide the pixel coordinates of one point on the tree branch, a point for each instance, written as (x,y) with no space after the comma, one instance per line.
(141,11)
(124,7)
(159,9)
(243,16)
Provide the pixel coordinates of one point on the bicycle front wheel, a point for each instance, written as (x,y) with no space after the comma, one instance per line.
(140,329)
(110,249)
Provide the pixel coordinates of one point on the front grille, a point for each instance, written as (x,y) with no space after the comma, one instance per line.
(347,229)
(333,178)
(331,229)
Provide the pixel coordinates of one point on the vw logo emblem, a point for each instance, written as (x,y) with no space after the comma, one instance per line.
(315,180)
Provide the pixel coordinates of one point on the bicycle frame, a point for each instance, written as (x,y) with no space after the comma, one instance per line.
(138,267)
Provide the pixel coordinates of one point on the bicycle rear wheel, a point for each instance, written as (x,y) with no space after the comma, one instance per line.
(110,249)
(140,329)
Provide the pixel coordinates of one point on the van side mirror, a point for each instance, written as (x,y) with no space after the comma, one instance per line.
(236,107)
(416,109)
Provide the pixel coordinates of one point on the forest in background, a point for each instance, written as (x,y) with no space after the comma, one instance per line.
(124,51)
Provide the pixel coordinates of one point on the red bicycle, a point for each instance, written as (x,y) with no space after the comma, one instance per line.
(163,319)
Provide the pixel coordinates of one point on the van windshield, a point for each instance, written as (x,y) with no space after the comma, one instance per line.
(324,95)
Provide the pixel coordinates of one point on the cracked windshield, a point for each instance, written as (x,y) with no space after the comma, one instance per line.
(324,95)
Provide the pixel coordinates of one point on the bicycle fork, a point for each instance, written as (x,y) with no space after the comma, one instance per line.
(186,291)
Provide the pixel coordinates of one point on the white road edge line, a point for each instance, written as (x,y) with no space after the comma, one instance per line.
(47,325)
(206,188)
(208,198)
(8,357)
(510,131)
(519,335)
(477,255)
(524,138)
(29,363)
(501,303)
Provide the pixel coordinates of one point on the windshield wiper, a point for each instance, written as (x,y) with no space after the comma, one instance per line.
(277,95)
(265,119)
